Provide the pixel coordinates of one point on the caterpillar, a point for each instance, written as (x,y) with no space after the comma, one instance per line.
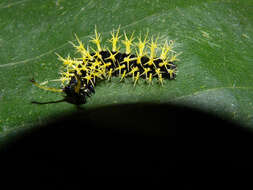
(80,75)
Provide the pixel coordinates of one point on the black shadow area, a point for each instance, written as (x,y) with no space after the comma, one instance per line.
(132,145)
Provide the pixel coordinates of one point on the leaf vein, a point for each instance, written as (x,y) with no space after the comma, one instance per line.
(85,36)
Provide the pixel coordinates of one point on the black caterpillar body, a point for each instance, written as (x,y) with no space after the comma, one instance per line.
(80,75)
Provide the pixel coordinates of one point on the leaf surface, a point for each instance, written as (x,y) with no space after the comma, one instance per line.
(215,67)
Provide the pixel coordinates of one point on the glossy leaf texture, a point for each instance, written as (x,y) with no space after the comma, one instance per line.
(215,71)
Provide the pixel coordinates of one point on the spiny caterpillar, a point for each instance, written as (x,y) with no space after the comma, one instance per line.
(80,75)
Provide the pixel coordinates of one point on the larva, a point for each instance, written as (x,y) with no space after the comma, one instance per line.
(80,75)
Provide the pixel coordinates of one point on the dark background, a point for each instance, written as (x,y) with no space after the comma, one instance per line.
(130,145)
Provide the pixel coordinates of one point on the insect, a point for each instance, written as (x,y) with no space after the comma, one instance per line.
(140,59)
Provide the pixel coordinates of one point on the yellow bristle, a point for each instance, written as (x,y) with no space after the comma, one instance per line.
(89,79)
(86,55)
(109,74)
(158,72)
(136,78)
(152,47)
(112,56)
(128,43)
(171,72)
(127,60)
(134,69)
(97,40)
(80,47)
(174,57)
(114,40)
(64,80)
(141,45)
(123,75)
(46,88)
(166,49)
(78,70)
(97,54)
(119,68)
(151,62)
(150,78)
(145,72)
(160,78)
(66,62)
(164,63)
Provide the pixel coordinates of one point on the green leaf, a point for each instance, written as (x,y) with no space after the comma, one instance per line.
(215,67)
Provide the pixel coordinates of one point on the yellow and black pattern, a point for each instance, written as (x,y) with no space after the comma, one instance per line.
(140,59)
